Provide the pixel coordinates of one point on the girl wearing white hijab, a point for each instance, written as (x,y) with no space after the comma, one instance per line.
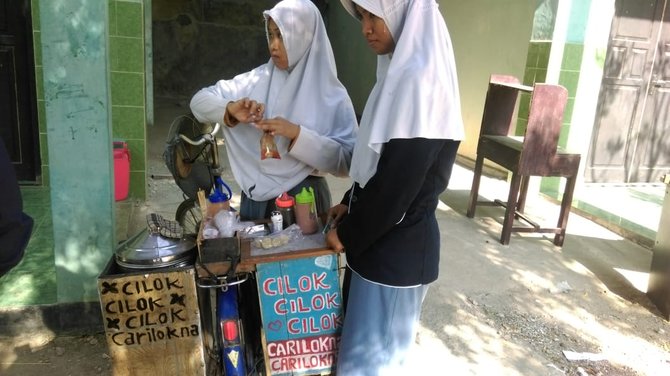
(409,135)
(296,97)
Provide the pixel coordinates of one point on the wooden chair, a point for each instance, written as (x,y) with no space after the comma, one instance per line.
(536,153)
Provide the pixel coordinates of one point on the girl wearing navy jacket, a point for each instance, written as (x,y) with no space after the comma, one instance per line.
(407,142)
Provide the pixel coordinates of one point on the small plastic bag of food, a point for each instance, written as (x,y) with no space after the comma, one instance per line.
(269,147)
(278,239)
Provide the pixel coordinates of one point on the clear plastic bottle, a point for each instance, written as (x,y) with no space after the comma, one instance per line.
(305,211)
(217,201)
(285,204)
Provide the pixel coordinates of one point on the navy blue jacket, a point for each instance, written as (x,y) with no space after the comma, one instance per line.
(391,235)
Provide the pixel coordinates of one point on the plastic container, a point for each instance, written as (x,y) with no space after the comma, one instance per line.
(121,170)
(285,204)
(305,211)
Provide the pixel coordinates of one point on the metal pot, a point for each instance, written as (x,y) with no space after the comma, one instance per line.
(147,250)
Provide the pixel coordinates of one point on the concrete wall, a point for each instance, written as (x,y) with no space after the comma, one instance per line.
(90,75)
(196,43)
(78,122)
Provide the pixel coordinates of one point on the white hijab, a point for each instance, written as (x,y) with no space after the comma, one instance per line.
(311,80)
(416,94)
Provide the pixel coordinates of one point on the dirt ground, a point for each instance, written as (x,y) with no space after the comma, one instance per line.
(522,309)
(495,331)
(45,354)
(629,342)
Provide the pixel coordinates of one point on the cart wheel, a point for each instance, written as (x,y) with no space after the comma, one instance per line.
(189,216)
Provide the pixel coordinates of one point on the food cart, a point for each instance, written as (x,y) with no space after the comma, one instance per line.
(300,300)
(170,303)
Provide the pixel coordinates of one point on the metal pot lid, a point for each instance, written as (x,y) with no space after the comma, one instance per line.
(148,250)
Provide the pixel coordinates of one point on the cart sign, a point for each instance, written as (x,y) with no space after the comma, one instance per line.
(302,314)
(152,322)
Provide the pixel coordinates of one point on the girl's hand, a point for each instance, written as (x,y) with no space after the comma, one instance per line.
(244,110)
(333,241)
(336,214)
(279,126)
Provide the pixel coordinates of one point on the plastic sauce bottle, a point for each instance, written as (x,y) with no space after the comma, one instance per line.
(305,211)
(285,204)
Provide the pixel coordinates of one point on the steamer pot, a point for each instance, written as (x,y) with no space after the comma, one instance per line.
(147,250)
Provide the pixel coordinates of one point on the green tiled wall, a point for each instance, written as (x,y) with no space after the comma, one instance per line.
(39,85)
(537,62)
(536,71)
(569,78)
(127,73)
